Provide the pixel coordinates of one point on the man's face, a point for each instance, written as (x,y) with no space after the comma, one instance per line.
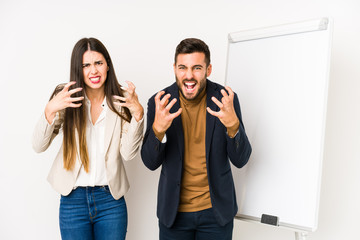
(191,73)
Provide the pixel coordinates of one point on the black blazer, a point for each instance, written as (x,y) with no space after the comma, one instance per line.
(219,148)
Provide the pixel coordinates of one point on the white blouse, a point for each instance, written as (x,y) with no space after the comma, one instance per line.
(95,135)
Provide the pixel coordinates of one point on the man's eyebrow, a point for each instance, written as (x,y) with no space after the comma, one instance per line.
(199,65)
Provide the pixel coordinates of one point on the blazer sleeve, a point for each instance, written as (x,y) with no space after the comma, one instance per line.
(44,133)
(152,151)
(132,135)
(238,148)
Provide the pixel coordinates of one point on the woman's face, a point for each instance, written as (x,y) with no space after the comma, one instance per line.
(94,69)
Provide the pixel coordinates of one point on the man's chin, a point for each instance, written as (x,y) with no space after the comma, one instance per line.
(189,96)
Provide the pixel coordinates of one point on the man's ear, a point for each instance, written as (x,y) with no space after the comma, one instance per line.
(208,70)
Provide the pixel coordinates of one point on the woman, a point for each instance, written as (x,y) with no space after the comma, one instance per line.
(102,125)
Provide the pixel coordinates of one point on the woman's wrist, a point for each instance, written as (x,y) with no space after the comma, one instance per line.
(49,114)
(139,113)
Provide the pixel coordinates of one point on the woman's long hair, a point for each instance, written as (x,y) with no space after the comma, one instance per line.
(75,118)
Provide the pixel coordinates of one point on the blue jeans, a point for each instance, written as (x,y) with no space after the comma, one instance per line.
(200,225)
(91,213)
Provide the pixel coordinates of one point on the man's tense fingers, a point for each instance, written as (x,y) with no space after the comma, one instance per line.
(171,104)
(217,102)
(216,114)
(176,114)
(230,91)
(158,95)
(165,100)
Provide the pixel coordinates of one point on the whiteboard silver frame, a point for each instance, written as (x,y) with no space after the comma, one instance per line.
(279,30)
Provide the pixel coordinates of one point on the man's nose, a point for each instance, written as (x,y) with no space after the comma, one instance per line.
(189,74)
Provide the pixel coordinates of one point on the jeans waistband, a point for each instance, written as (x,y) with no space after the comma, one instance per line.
(92,188)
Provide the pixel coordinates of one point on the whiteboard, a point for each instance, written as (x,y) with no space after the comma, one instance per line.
(281,77)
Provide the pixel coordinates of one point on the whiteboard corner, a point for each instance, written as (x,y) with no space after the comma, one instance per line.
(324,23)
(230,38)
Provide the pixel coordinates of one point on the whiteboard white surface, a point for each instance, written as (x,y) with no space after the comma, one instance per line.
(282,83)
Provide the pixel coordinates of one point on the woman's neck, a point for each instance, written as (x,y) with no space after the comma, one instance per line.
(95,95)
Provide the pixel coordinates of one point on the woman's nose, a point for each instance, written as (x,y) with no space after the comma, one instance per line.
(93,69)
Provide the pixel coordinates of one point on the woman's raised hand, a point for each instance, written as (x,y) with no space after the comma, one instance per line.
(61,101)
(130,101)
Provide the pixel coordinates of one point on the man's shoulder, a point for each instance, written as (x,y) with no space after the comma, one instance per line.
(213,86)
(171,88)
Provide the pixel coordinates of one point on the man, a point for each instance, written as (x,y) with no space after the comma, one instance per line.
(194,127)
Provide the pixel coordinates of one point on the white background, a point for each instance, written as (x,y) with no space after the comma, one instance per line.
(36,39)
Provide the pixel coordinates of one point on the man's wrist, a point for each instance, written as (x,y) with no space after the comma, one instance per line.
(233,129)
(158,135)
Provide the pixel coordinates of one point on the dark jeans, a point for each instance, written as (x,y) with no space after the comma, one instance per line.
(200,225)
(91,213)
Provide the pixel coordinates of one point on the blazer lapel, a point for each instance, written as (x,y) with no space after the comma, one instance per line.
(210,119)
(177,123)
(111,119)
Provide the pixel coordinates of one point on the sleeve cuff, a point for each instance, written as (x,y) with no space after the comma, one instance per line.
(53,121)
(234,134)
(164,139)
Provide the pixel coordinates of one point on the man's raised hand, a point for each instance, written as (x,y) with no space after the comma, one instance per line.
(163,117)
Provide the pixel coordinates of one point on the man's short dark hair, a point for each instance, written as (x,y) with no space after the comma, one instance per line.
(191,45)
